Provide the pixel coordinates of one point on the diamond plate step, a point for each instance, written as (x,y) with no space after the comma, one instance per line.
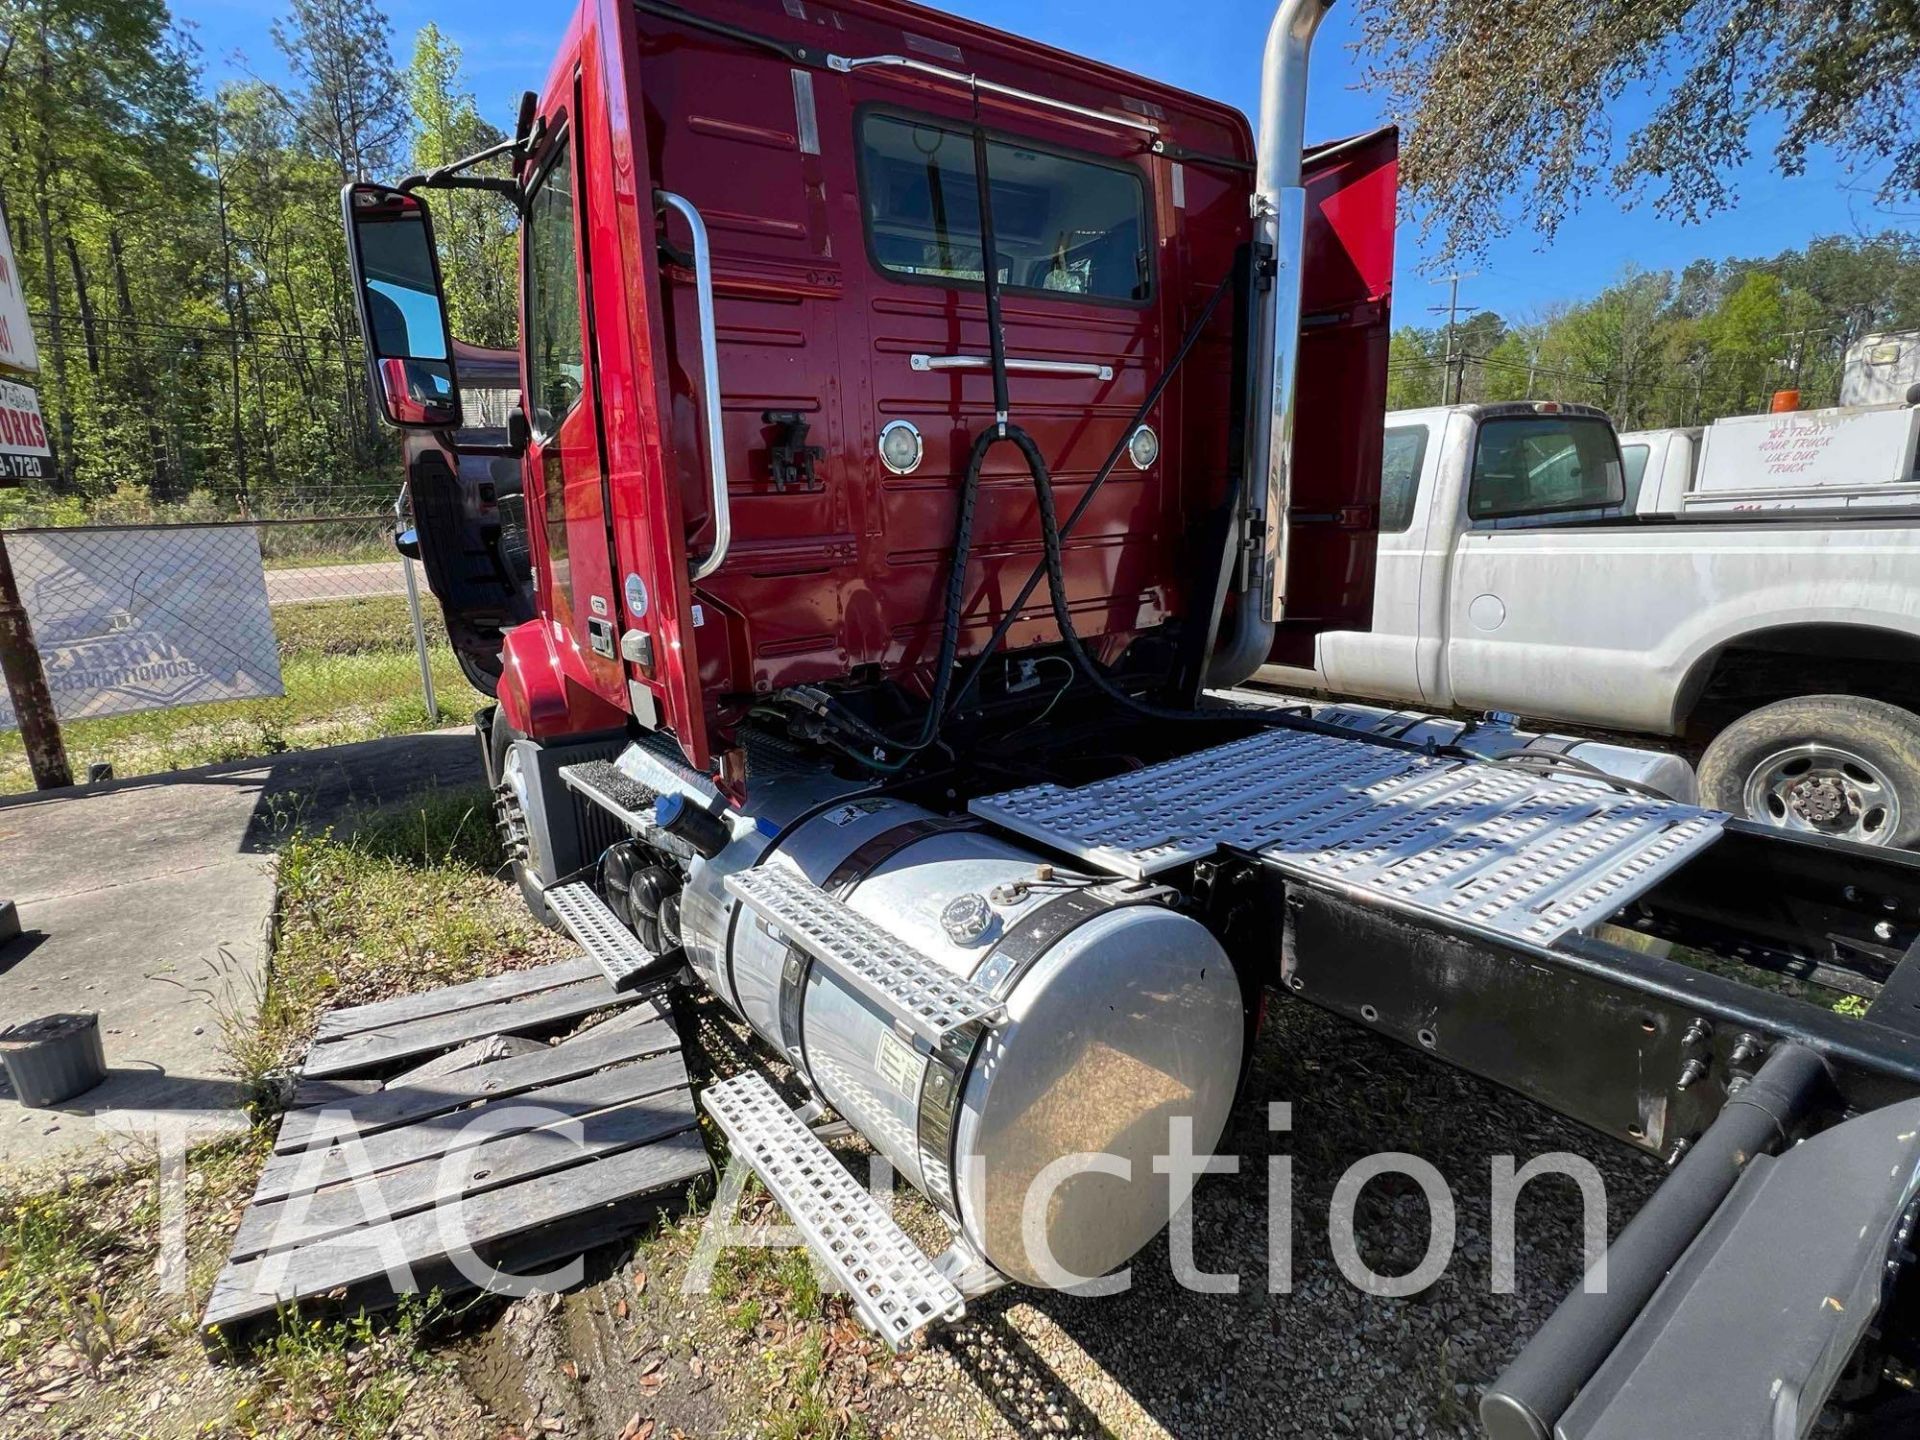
(893,1285)
(1480,846)
(928,1001)
(616,949)
(603,783)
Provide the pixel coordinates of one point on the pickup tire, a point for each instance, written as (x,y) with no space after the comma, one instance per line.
(510,809)
(1834,765)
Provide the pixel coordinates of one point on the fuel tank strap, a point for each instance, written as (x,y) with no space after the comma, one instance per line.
(1012,956)
(841,883)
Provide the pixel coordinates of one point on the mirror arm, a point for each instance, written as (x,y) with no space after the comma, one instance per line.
(448,176)
(439,180)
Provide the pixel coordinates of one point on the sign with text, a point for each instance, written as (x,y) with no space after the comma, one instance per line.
(146,619)
(17,350)
(23,436)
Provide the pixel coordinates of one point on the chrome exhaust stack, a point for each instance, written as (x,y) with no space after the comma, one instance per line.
(1279,235)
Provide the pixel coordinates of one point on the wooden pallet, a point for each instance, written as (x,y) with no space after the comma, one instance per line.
(519,1151)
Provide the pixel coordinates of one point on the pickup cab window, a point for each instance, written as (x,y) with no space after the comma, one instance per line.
(1634,458)
(1401,457)
(1544,465)
(1063,225)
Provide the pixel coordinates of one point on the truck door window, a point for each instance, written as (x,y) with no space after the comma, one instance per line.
(1401,457)
(556,356)
(1544,465)
(1063,225)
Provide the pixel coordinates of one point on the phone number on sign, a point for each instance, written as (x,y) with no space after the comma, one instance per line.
(22,467)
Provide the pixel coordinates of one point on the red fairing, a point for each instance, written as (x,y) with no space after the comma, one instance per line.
(537,695)
(1347,293)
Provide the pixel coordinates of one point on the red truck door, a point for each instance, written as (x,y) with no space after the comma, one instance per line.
(615,556)
(565,460)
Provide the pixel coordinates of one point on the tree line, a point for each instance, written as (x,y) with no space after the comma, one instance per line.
(1657,348)
(182,250)
(182,247)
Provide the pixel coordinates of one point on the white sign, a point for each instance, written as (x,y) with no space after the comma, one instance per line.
(1810,449)
(146,619)
(23,436)
(17,350)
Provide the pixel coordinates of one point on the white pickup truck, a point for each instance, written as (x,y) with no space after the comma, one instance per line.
(1511,576)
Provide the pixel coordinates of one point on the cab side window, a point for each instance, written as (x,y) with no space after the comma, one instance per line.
(556,354)
(1404,452)
(1063,225)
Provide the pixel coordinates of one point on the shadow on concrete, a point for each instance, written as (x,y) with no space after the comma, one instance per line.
(13,951)
(314,789)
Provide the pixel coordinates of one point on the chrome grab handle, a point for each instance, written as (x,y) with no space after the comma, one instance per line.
(710,383)
(1015,366)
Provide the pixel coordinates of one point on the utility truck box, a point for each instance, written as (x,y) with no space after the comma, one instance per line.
(1810,460)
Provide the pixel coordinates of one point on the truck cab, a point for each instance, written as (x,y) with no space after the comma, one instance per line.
(756,354)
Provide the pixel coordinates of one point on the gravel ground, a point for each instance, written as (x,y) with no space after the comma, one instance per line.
(632,1356)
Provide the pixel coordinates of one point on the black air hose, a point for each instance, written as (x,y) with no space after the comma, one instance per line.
(1086,664)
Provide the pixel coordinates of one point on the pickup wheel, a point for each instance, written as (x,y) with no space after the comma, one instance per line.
(510,814)
(1834,765)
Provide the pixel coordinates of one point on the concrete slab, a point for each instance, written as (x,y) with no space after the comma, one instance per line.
(150,902)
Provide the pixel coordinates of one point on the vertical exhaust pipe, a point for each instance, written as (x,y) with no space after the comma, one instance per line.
(1279,237)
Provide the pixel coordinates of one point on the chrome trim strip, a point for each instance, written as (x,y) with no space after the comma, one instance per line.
(710,382)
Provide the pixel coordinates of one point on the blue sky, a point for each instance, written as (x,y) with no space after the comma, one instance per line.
(1211,47)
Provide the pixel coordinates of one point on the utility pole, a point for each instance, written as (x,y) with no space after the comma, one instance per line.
(26,677)
(1456,370)
(27,685)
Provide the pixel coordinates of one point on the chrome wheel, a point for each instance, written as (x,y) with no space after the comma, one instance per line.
(1824,790)
(510,807)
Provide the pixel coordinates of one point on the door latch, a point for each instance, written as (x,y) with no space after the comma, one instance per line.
(789,458)
(600,636)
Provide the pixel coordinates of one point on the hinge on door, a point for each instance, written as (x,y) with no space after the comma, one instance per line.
(789,458)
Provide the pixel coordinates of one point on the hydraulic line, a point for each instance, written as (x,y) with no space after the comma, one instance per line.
(1100,477)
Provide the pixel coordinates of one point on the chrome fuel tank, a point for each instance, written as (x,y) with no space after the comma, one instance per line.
(1122,1015)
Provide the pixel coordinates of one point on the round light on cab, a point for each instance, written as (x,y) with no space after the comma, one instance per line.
(901,447)
(1144,448)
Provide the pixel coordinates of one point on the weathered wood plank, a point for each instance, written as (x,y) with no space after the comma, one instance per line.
(608,1044)
(328,1164)
(330,1092)
(449,998)
(388,1045)
(257,1287)
(478,1052)
(304,1218)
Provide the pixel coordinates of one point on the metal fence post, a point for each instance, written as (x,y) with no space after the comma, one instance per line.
(27,684)
(420,639)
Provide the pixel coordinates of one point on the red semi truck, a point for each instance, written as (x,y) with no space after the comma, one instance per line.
(916,435)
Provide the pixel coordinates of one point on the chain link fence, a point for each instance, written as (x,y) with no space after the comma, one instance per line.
(172,645)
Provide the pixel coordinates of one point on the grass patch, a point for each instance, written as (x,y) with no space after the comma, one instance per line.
(88,1341)
(407,902)
(350,673)
(347,1378)
(77,1263)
